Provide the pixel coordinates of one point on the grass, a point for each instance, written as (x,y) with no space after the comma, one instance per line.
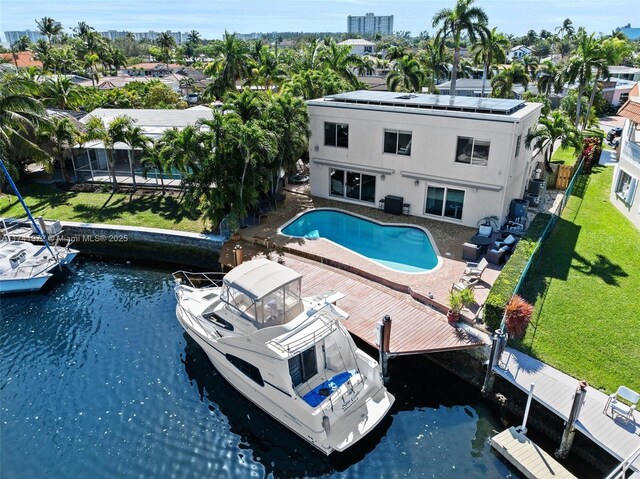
(564,156)
(585,285)
(154,211)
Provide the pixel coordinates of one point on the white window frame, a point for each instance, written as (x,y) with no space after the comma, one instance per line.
(444,202)
(397,133)
(473,147)
(518,141)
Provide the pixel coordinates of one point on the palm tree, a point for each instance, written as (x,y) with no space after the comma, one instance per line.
(135,138)
(20,115)
(167,43)
(42,52)
(339,59)
(83,30)
(193,37)
(530,64)
(367,66)
(181,150)
(435,62)
(186,84)
(247,104)
(491,49)
(586,59)
(396,51)
(61,93)
(549,78)
(566,29)
(549,130)
(310,55)
(108,135)
(48,27)
(406,75)
(90,62)
(153,160)
(231,64)
(463,19)
(61,134)
(502,84)
(22,44)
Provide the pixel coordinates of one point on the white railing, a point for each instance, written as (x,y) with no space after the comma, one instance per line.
(620,472)
(631,151)
(199,280)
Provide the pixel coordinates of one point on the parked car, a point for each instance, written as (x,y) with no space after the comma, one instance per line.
(613,134)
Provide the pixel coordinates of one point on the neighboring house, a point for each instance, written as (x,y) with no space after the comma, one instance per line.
(630,33)
(22,59)
(624,73)
(624,190)
(616,91)
(473,87)
(450,158)
(360,46)
(151,69)
(91,157)
(517,52)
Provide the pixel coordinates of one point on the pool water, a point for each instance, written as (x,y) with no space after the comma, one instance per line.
(98,379)
(402,248)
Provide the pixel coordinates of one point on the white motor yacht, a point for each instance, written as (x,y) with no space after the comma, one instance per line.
(291,356)
(27,267)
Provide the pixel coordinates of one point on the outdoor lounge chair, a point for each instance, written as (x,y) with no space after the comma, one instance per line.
(510,241)
(497,255)
(617,406)
(476,269)
(471,252)
(485,230)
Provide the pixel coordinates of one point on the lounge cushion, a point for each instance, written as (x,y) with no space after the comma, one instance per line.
(504,248)
(485,230)
(323,390)
(510,240)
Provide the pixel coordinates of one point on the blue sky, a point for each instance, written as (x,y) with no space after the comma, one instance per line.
(211,17)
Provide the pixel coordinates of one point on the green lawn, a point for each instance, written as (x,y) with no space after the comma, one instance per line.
(154,211)
(586,288)
(565,156)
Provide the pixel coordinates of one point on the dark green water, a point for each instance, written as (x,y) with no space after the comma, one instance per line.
(98,379)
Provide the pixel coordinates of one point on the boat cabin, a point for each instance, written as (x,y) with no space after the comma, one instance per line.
(263,292)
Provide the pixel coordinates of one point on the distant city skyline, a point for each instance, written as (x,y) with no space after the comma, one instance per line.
(212,18)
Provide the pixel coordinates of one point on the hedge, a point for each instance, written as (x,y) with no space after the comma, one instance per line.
(505,284)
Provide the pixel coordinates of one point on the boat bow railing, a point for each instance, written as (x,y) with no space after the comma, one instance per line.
(199,280)
(301,343)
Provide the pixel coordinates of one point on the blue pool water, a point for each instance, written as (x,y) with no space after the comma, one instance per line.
(98,379)
(403,248)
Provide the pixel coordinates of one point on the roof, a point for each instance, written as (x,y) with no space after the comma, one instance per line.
(519,47)
(618,69)
(357,42)
(153,122)
(152,65)
(429,102)
(475,84)
(631,109)
(23,60)
(259,277)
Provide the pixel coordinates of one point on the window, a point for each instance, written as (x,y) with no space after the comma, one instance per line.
(303,366)
(518,141)
(446,202)
(245,368)
(472,151)
(336,134)
(397,142)
(626,187)
(350,184)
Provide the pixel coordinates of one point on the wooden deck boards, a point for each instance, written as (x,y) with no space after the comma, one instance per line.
(527,457)
(555,390)
(415,327)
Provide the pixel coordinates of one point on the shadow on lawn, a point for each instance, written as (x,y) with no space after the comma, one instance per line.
(168,208)
(41,198)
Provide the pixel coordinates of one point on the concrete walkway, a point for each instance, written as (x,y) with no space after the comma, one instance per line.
(555,390)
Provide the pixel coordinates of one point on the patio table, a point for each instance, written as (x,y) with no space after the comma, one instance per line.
(481,240)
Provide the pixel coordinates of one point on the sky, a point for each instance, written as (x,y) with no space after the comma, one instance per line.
(212,17)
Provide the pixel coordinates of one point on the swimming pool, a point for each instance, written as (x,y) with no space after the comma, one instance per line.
(402,248)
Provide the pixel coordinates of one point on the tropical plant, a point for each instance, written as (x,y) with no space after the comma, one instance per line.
(248,104)
(492,48)
(62,135)
(549,130)
(60,92)
(108,135)
(231,64)
(181,150)
(502,84)
(463,19)
(48,27)
(517,316)
(406,75)
(136,140)
(22,44)
(153,160)
(339,59)
(315,84)
(549,78)
(167,43)
(435,62)
(89,62)
(186,84)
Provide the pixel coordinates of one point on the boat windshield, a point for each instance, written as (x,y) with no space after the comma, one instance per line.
(275,308)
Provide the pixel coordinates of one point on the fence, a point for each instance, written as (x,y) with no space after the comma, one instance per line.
(547,230)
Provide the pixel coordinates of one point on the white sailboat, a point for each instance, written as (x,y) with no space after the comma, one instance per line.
(289,355)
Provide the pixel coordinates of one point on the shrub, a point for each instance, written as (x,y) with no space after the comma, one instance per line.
(460,299)
(517,316)
(505,284)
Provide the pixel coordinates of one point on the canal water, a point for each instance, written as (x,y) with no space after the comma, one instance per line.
(98,379)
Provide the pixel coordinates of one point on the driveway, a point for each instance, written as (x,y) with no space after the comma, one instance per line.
(608,122)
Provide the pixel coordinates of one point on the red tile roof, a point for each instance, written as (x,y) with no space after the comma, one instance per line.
(631,110)
(23,60)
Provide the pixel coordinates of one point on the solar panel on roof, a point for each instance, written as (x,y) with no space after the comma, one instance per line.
(436,102)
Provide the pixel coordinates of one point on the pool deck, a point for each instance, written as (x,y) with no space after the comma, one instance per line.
(430,288)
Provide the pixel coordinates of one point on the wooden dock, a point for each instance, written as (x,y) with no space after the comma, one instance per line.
(527,457)
(555,390)
(416,328)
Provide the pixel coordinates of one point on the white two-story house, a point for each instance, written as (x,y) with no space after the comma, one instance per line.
(624,190)
(457,159)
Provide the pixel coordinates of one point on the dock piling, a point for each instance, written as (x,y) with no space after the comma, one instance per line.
(498,343)
(384,339)
(569,429)
(523,427)
(237,255)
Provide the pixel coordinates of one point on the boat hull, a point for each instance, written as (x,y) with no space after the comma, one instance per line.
(23,285)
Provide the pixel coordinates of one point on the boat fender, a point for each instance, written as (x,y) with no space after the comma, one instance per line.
(326,424)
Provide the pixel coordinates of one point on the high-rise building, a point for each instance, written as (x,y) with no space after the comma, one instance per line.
(370,24)
(15,35)
(150,35)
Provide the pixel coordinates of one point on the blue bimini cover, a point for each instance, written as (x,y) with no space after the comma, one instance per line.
(325,389)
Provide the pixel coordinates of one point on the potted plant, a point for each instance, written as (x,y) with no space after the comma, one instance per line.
(234,226)
(457,301)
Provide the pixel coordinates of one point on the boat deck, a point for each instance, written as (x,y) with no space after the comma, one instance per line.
(527,457)
(555,390)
